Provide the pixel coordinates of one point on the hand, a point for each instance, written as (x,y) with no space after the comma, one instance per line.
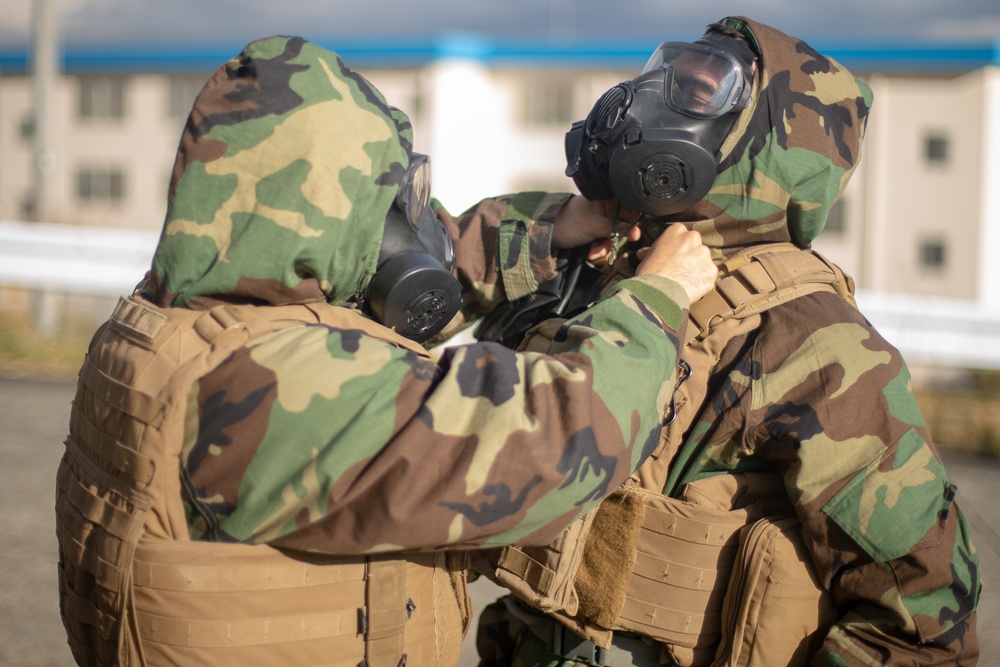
(680,255)
(584,221)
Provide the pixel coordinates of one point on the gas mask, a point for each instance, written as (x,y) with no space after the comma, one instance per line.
(413,290)
(652,143)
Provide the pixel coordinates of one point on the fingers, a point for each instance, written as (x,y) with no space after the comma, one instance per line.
(582,221)
(680,254)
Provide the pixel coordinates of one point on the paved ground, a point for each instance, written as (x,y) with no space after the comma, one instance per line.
(33,417)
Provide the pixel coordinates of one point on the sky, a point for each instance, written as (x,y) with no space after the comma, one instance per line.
(131,22)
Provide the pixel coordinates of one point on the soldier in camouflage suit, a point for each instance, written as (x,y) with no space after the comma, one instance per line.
(814,395)
(335,439)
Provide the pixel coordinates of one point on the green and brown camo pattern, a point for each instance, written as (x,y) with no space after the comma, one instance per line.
(790,153)
(817,395)
(331,440)
(286,168)
(334,440)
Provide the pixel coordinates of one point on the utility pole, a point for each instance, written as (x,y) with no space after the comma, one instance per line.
(44,77)
(45,74)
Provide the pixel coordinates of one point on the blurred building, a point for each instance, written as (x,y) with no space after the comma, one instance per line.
(921,215)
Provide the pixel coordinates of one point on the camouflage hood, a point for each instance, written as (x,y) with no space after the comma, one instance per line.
(285,172)
(790,153)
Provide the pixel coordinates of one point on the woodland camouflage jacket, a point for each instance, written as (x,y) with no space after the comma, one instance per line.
(818,396)
(334,441)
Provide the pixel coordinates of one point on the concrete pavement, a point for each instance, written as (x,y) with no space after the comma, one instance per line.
(33,419)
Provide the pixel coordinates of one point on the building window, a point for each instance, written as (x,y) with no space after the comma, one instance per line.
(100,185)
(549,102)
(102,97)
(26,129)
(936,148)
(181,95)
(933,254)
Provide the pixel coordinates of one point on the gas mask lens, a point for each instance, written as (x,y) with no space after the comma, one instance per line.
(414,196)
(702,81)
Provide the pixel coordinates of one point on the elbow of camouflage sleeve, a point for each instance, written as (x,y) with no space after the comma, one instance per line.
(524,252)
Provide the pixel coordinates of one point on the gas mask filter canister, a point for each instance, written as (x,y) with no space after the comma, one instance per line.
(413,290)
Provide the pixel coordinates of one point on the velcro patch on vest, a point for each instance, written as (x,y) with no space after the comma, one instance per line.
(607,558)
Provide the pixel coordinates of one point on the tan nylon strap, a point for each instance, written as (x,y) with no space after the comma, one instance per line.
(757,278)
(527,568)
(733,292)
(140,468)
(84,611)
(139,318)
(686,528)
(349,318)
(93,508)
(682,576)
(386,611)
(217,321)
(143,407)
(85,505)
(224,577)
(780,274)
(672,625)
(89,560)
(246,632)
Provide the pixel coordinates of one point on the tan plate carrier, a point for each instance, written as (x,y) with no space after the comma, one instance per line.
(133,588)
(719,575)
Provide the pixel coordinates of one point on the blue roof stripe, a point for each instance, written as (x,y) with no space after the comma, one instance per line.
(175,58)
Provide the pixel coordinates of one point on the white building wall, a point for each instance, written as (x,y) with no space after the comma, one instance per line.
(142,145)
(916,201)
(988,251)
(470,118)
(15,149)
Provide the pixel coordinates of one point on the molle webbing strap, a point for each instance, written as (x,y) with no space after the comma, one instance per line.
(385,612)
(255,631)
(762,277)
(255,605)
(182,604)
(98,523)
(139,319)
(526,568)
(99,446)
(683,559)
(147,409)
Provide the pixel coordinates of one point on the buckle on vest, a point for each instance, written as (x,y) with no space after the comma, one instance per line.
(570,646)
(626,650)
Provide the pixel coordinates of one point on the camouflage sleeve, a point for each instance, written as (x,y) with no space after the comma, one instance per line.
(330,440)
(834,407)
(502,248)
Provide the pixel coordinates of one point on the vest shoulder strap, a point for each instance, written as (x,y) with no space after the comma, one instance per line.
(150,325)
(750,282)
(762,277)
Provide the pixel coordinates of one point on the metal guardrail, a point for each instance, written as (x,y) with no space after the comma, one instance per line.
(74,259)
(936,331)
(108,262)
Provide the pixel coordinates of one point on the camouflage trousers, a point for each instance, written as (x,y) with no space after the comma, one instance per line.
(512,635)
